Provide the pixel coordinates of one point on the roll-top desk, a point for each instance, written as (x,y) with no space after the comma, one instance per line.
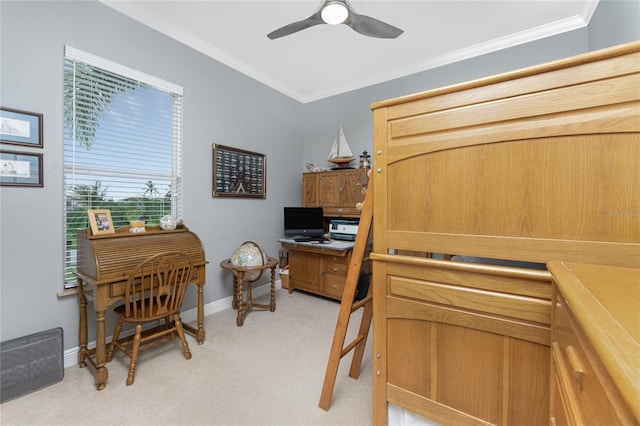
(104,262)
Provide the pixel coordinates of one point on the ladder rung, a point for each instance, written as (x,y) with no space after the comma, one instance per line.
(361,303)
(352,345)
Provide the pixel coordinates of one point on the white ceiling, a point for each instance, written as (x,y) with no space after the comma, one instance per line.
(327,60)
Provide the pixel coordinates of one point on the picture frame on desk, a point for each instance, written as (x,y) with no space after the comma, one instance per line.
(101,223)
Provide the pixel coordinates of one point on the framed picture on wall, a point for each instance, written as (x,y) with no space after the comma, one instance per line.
(20,127)
(101,223)
(21,169)
(239,173)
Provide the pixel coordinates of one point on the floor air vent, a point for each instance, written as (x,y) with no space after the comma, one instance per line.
(30,363)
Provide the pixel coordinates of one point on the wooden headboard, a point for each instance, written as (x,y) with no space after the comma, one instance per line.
(535,165)
(540,164)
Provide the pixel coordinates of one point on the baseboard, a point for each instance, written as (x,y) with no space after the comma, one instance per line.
(71,355)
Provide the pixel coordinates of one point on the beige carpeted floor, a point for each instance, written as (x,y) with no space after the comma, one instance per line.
(268,372)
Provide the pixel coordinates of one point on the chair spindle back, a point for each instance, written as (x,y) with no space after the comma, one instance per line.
(156,287)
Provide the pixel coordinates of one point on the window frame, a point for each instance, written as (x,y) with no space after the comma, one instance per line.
(173,97)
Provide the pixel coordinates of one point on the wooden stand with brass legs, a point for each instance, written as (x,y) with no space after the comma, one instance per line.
(347,307)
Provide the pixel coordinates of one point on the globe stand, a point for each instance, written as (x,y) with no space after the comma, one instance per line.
(238,287)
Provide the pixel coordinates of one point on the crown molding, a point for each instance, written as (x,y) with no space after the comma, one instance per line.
(569,24)
(131,10)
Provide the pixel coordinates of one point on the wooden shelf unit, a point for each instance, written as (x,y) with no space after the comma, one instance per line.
(336,191)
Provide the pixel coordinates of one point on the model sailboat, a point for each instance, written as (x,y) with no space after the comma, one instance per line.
(340,154)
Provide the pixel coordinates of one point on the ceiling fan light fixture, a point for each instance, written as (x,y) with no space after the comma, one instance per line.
(334,13)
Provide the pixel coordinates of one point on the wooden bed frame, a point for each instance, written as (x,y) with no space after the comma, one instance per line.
(535,165)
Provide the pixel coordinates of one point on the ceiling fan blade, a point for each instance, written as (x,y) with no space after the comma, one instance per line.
(371,27)
(294,27)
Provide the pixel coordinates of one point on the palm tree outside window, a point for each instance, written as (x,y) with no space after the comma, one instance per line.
(122,146)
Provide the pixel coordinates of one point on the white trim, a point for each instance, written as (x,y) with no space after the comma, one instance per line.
(71,355)
(105,64)
(133,11)
(530,35)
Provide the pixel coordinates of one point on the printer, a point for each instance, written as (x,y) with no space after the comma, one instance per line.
(341,229)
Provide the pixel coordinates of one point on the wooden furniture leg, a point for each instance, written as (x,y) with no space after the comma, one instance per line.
(102,374)
(239,299)
(198,331)
(100,352)
(272,304)
(82,332)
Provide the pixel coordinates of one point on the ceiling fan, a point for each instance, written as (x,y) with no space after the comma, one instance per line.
(335,12)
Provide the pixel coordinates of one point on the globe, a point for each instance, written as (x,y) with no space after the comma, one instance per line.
(250,254)
(168,223)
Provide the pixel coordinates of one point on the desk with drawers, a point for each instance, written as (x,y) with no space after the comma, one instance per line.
(595,349)
(319,268)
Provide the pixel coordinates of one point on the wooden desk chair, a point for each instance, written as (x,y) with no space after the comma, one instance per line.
(155,290)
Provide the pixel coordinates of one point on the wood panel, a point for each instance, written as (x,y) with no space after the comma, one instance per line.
(329,190)
(309,190)
(410,344)
(305,270)
(461,327)
(491,303)
(525,390)
(536,165)
(337,191)
(596,335)
(470,360)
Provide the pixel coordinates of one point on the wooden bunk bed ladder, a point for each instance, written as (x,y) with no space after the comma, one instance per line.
(348,307)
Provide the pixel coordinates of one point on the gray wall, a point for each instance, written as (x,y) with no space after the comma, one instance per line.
(220,105)
(615,22)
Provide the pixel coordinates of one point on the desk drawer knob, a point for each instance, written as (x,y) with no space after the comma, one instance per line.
(576,365)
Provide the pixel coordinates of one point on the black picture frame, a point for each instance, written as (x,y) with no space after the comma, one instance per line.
(19,127)
(238,173)
(21,169)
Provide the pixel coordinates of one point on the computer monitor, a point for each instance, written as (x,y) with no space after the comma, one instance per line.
(303,222)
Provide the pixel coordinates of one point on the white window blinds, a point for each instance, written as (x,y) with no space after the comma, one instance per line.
(122,146)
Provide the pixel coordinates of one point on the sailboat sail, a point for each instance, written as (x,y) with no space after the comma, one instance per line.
(340,153)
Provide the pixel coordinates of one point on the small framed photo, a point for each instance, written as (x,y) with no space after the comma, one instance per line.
(20,169)
(20,127)
(101,223)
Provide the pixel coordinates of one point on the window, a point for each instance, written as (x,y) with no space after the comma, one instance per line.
(122,146)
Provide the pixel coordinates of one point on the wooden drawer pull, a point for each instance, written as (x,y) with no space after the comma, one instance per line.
(576,365)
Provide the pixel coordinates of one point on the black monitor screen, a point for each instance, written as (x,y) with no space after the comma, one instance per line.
(303,221)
